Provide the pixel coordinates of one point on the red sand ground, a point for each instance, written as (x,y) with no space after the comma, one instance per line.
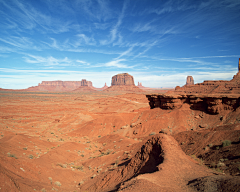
(104,141)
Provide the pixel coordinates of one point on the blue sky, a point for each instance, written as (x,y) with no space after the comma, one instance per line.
(158,42)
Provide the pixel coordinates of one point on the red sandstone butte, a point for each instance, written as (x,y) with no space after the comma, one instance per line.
(213,87)
(123,82)
(189,81)
(122,79)
(60,85)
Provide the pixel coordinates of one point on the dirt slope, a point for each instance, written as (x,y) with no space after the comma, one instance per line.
(110,141)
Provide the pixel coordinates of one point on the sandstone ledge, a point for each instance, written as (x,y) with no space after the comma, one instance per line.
(210,103)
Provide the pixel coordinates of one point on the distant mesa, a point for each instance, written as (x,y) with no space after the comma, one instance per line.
(59,85)
(84,82)
(122,79)
(213,97)
(155,90)
(211,87)
(189,81)
(123,82)
(142,87)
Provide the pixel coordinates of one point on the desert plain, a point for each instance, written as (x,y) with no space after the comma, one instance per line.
(114,141)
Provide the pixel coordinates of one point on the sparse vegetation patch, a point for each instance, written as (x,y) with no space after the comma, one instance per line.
(226,143)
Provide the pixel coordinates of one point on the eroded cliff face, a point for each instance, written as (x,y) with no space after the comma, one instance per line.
(189,81)
(60,85)
(213,104)
(69,84)
(122,79)
(211,87)
(123,82)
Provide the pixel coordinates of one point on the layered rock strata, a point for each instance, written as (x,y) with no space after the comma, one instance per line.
(213,104)
(122,79)
(60,85)
(212,87)
(123,82)
(189,81)
(69,84)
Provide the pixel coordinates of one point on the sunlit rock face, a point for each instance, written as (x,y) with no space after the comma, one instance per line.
(212,86)
(60,85)
(189,81)
(122,79)
(123,82)
(212,103)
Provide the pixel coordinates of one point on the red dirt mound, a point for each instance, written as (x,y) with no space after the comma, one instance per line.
(155,163)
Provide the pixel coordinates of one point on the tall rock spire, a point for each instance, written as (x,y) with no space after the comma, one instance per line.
(189,81)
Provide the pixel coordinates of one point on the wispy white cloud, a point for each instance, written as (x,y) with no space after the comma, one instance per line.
(48,61)
(84,40)
(125,52)
(171,6)
(154,27)
(149,47)
(26,17)
(92,50)
(98,9)
(4,49)
(82,62)
(117,63)
(102,26)
(114,30)
(218,56)
(196,60)
(53,44)
(20,42)
(10,70)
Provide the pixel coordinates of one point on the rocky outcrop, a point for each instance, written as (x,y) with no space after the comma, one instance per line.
(84,82)
(60,85)
(213,104)
(212,87)
(68,84)
(189,81)
(122,79)
(123,82)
